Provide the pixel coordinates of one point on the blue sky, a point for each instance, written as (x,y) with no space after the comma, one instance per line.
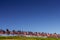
(30,15)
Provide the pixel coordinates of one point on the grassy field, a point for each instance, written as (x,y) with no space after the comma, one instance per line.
(26,38)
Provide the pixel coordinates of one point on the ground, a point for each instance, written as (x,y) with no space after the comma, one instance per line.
(26,38)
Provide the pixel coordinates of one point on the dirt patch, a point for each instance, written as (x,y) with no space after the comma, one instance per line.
(8,39)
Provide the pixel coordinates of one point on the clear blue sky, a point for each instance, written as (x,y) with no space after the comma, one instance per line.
(30,15)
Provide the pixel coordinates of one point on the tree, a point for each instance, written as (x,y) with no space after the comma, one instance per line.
(14,32)
(7,31)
